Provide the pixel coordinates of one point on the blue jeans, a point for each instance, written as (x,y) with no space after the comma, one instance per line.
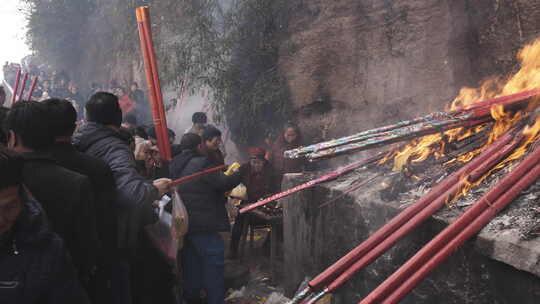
(203,260)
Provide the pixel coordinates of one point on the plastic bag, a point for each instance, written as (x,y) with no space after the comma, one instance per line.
(180,217)
(168,232)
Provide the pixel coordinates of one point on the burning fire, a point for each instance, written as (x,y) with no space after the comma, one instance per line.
(527,78)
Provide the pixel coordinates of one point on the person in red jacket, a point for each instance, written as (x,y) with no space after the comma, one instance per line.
(127,105)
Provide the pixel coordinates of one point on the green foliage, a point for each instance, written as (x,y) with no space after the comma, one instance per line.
(233,51)
(61,31)
(53,28)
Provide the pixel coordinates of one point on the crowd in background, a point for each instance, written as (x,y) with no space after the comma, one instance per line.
(77,192)
(60,85)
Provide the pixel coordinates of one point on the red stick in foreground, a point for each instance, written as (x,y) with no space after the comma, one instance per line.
(311,183)
(444,237)
(152,78)
(16,87)
(32,87)
(421,216)
(469,224)
(342,265)
(188,178)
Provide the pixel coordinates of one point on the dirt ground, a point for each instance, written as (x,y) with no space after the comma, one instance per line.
(250,278)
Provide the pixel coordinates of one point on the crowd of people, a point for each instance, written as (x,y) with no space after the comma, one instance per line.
(76,193)
(60,85)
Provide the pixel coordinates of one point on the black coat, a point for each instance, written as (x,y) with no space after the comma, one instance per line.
(67,198)
(101,177)
(134,195)
(34,264)
(204,197)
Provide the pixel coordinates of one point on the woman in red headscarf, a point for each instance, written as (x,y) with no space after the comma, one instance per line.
(258,177)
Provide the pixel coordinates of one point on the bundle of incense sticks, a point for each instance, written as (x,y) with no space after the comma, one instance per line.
(154,86)
(470,115)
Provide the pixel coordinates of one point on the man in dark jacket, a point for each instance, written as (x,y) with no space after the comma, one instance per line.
(63,123)
(134,195)
(100,138)
(66,196)
(35,267)
(211,143)
(203,252)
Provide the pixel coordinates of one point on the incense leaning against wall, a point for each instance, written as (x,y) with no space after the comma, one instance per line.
(372,133)
(327,177)
(477,111)
(399,135)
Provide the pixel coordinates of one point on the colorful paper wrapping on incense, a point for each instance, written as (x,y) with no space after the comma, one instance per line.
(432,123)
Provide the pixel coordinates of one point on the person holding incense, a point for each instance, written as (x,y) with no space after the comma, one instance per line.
(203,255)
(210,146)
(134,195)
(258,177)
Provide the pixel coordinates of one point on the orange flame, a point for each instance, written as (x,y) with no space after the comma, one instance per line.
(527,78)
(531,135)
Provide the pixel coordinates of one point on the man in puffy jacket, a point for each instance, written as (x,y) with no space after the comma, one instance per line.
(134,196)
(203,255)
(34,264)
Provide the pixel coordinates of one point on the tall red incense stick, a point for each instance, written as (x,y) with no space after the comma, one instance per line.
(16,87)
(152,78)
(32,87)
(399,284)
(23,86)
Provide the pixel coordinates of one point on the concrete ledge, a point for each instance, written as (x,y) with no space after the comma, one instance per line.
(487,270)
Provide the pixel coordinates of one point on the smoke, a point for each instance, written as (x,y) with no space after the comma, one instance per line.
(179,120)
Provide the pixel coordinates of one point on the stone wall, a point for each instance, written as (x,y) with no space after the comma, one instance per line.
(352,65)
